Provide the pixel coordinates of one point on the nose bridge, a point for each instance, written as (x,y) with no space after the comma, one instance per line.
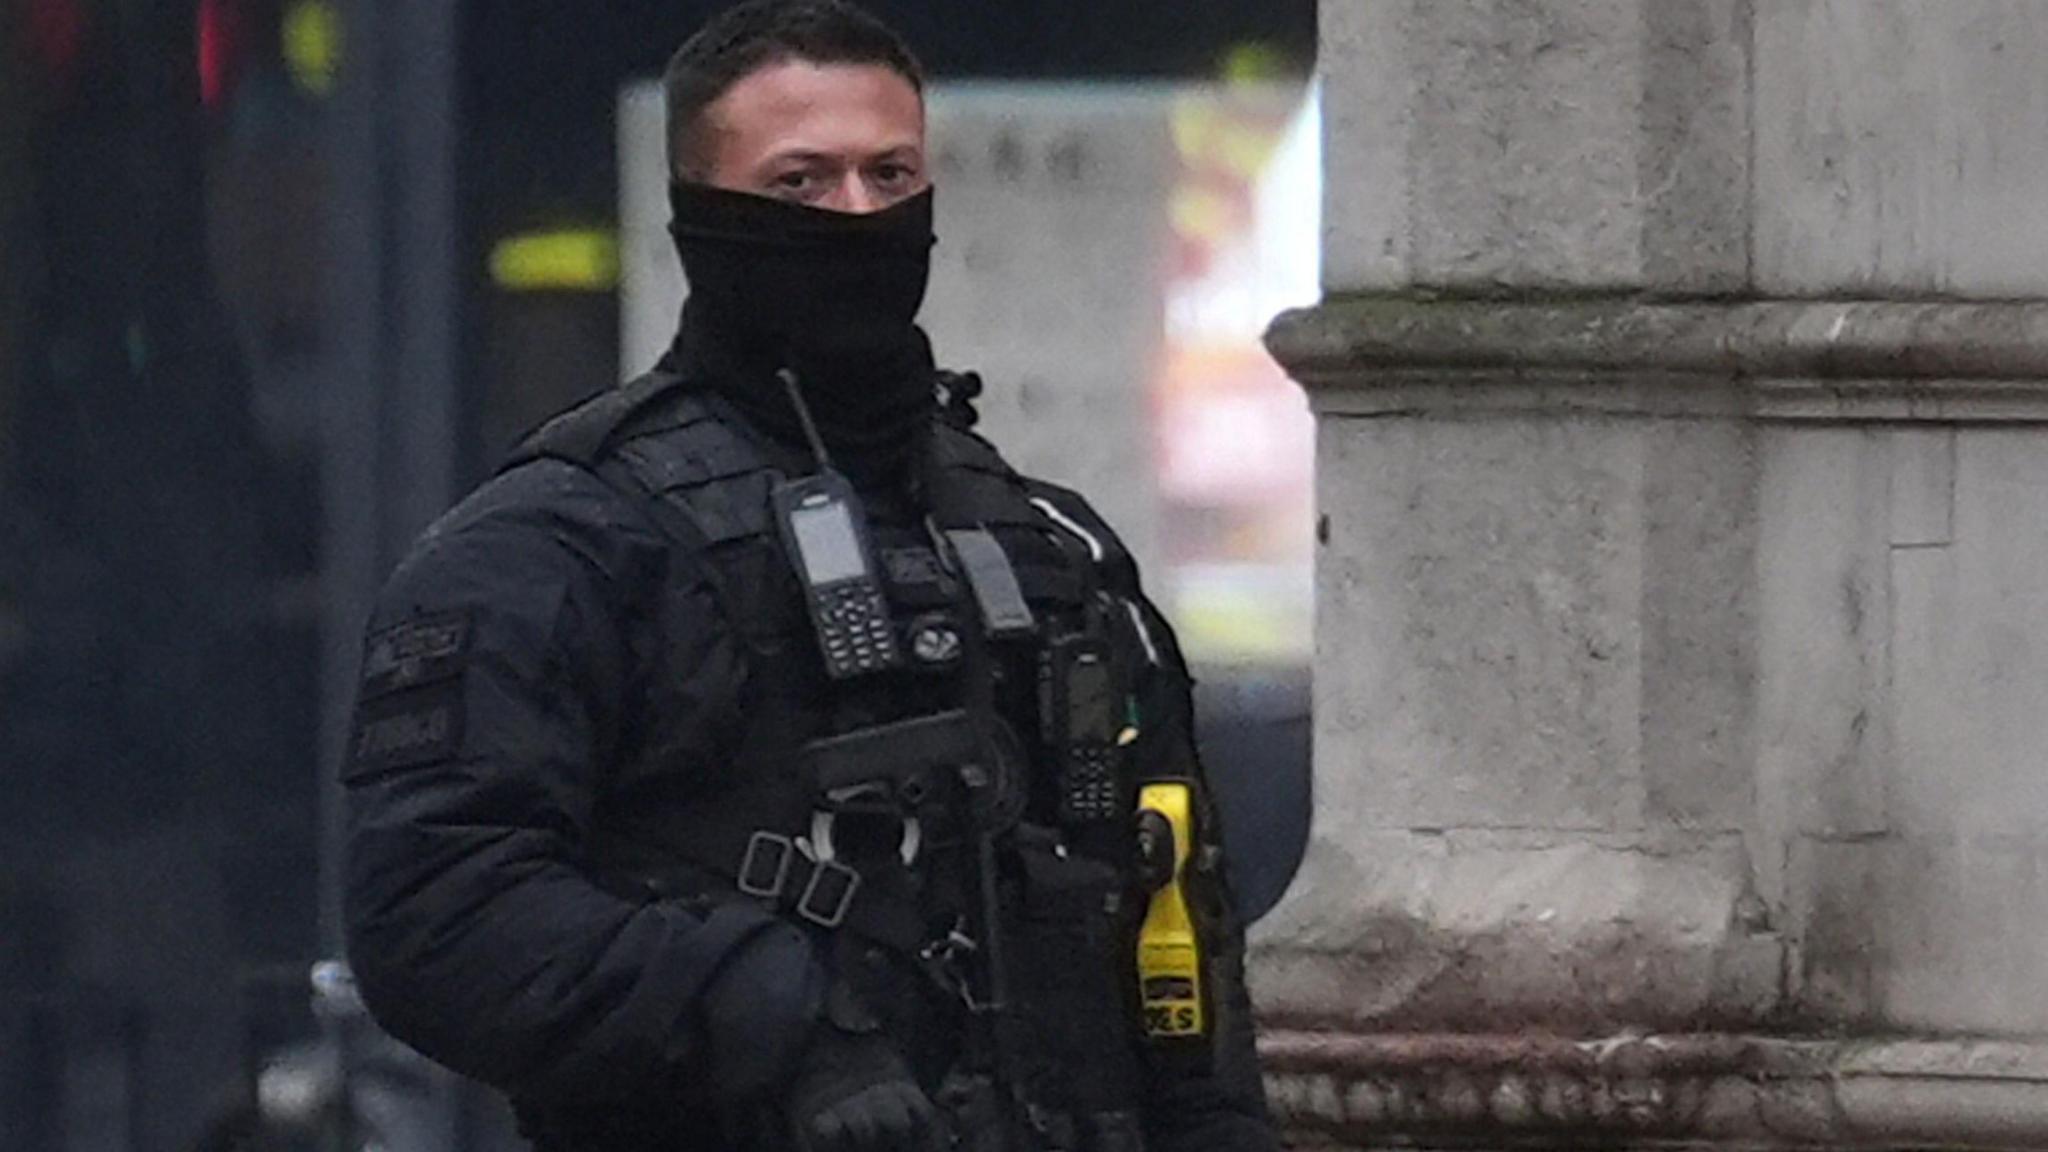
(854,193)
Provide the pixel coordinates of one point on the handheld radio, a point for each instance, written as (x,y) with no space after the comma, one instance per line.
(1080,711)
(823,527)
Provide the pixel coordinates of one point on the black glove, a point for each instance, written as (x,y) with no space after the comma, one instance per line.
(759,1012)
(854,1094)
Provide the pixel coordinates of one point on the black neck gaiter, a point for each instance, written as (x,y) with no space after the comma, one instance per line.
(831,296)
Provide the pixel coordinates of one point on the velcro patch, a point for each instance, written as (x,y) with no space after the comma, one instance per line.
(912,565)
(406,730)
(416,652)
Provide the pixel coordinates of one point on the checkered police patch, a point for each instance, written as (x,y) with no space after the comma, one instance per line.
(421,651)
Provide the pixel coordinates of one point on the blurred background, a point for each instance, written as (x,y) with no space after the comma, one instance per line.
(280,279)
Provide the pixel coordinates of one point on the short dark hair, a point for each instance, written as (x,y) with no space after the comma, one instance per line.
(751,36)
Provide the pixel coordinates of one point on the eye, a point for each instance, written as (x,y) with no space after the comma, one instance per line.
(802,184)
(894,174)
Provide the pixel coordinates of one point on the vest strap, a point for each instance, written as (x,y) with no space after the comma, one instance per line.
(583,433)
(774,869)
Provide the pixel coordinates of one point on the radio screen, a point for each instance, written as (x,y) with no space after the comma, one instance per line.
(831,552)
(1091,710)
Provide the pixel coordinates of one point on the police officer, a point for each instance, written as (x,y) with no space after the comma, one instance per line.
(758,761)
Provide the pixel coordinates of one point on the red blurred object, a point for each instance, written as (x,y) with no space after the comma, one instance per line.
(56,32)
(219,43)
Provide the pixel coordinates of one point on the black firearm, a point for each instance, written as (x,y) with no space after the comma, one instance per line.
(945,766)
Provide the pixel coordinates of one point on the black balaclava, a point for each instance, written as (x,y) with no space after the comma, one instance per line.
(832,296)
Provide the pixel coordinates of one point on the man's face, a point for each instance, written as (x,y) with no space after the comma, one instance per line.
(848,137)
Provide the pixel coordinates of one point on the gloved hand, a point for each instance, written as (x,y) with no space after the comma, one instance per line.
(760,1011)
(853,1093)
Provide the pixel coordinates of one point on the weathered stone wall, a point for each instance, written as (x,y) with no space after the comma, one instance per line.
(1905,780)
(1683,640)
(1898,148)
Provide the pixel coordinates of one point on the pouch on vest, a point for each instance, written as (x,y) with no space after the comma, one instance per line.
(1068,938)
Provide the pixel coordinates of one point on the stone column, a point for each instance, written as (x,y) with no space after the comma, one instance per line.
(1682,667)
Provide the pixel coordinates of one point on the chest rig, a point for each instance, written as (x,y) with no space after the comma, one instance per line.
(792,803)
(861,807)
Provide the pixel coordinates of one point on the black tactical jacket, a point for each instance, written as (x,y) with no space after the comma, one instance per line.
(582,692)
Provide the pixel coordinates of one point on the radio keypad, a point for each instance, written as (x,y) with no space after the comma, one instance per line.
(855,628)
(1088,791)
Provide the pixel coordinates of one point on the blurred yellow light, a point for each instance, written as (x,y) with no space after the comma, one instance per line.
(1201,214)
(1212,135)
(312,45)
(1195,123)
(570,260)
(1253,62)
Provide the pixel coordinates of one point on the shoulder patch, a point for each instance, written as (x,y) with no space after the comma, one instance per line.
(405,730)
(420,651)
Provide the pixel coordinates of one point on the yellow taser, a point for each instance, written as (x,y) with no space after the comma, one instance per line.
(1169,951)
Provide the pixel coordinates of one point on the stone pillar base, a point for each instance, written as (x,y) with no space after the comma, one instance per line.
(1475,1091)
(1678,718)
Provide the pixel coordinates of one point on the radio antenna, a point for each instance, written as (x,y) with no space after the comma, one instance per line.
(803,415)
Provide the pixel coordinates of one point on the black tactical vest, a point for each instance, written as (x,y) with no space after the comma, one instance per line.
(698,473)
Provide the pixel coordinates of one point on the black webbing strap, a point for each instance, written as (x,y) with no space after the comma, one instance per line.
(770,867)
(743,847)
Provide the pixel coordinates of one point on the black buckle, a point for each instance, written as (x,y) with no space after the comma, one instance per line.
(828,894)
(764,870)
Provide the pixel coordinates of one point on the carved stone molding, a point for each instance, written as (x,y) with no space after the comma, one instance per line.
(1772,360)
(1441,1090)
